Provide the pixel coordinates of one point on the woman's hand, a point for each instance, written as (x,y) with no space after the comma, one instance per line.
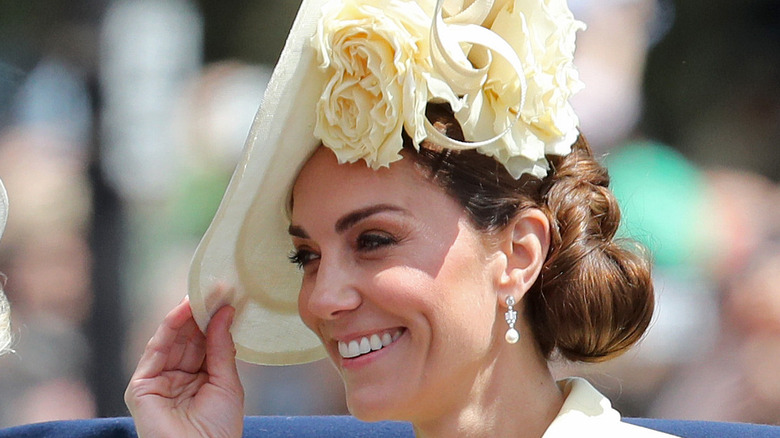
(186,384)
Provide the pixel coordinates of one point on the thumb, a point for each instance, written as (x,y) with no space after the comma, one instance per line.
(221,351)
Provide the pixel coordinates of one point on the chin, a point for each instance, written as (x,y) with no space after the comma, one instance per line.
(376,406)
(371,415)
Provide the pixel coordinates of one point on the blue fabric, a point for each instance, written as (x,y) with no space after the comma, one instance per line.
(343,426)
(707,429)
(95,428)
(317,427)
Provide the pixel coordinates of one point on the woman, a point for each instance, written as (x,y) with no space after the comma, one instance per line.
(450,228)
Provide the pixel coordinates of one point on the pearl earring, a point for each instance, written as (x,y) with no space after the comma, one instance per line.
(512,336)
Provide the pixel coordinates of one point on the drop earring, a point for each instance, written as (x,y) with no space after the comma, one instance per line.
(512,336)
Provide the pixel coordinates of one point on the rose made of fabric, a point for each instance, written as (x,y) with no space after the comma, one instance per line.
(376,54)
(509,60)
(542,34)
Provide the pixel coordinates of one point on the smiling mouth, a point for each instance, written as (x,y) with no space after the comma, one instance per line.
(367,344)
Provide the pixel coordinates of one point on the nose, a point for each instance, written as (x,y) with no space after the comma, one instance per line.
(332,292)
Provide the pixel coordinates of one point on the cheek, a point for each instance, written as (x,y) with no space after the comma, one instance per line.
(468,297)
(303,309)
(466,319)
(402,287)
(454,306)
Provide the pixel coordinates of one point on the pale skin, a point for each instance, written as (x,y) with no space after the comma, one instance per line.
(389,252)
(186,384)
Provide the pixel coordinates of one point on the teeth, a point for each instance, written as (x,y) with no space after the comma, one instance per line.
(376,343)
(366,345)
(354,349)
(343,349)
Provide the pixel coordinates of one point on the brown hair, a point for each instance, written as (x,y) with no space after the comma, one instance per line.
(594,296)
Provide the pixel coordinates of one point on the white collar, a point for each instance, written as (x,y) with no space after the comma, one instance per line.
(587,413)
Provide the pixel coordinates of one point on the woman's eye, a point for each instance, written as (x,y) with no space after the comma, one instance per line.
(371,241)
(302,257)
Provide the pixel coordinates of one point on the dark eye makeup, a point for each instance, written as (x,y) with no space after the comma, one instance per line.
(366,242)
(373,240)
(302,257)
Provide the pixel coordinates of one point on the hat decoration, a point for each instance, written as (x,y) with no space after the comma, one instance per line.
(504,66)
(354,75)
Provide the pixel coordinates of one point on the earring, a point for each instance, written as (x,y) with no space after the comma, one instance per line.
(512,336)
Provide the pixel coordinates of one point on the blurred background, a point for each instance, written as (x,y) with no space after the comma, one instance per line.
(121,122)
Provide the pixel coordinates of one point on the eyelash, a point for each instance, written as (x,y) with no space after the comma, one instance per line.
(365,242)
(372,241)
(300,257)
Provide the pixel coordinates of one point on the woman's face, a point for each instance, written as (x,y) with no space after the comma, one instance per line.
(397,284)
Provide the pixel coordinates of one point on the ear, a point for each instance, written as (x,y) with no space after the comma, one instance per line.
(525,243)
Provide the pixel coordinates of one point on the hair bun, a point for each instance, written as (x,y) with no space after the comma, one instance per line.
(594,296)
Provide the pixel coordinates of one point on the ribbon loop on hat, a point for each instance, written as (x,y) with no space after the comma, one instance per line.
(451,62)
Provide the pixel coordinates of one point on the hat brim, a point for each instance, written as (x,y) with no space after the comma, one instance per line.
(246,247)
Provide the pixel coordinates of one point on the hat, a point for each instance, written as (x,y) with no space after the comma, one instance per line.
(354,75)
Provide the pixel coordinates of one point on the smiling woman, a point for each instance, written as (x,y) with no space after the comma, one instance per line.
(449,231)
(412,268)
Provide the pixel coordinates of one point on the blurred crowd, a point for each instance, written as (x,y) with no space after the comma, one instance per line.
(117,142)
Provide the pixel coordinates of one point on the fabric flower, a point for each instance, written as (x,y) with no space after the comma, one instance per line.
(376,54)
(505,67)
(542,34)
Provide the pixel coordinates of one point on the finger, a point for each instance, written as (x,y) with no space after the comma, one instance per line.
(155,356)
(188,349)
(220,349)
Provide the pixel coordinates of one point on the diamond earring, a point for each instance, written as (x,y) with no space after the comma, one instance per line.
(512,336)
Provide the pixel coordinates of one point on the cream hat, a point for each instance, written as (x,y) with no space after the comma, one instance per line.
(354,74)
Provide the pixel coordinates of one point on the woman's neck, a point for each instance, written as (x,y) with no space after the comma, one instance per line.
(514,396)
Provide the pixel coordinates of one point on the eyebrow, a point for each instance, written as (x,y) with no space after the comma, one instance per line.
(296,231)
(347,221)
